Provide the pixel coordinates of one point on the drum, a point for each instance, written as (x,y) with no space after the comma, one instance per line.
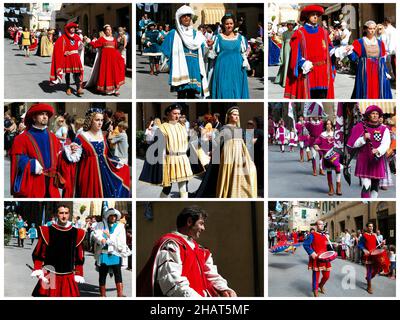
(380,259)
(327,256)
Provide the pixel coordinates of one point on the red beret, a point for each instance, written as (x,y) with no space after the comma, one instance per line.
(35,109)
(71,25)
(371,109)
(313,8)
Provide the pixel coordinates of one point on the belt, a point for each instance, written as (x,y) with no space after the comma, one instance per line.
(50,174)
(319,63)
(176,153)
(68,53)
(108,47)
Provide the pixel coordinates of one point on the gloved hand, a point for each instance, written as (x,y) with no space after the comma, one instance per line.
(307,66)
(40,275)
(79,279)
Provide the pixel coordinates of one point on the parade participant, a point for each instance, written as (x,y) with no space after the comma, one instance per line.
(232,172)
(311,72)
(108,73)
(58,258)
(292,139)
(281,135)
(66,59)
(32,233)
(285,54)
(372,78)
(26,41)
(315,128)
(372,139)
(111,251)
(368,243)
(174,165)
(303,137)
(179,266)
(274,45)
(34,157)
(151,40)
(315,244)
(229,75)
(322,145)
(18,35)
(34,44)
(89,155)
(20,226)
(183,47)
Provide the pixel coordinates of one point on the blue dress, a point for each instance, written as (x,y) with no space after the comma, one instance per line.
(192,61)
(153,37)
(229,78)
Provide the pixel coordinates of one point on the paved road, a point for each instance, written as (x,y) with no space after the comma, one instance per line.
(344,84)
(290,178)
(18,283)
(289,277)
(28,78)
(156,87)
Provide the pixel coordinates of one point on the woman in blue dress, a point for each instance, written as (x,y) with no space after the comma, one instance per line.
(229,77)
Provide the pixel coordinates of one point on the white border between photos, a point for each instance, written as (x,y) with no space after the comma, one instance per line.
(133,146)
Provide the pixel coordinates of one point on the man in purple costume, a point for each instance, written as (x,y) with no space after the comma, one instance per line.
(315,128)
(373,140)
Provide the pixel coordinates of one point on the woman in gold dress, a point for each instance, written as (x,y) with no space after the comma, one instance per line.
(235,174)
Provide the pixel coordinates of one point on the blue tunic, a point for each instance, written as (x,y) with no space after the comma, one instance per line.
(109,259)
(32,232)
(192,62)
(229,79)
(152,36)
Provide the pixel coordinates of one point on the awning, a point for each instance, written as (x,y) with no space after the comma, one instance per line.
(386,106)
(212,15)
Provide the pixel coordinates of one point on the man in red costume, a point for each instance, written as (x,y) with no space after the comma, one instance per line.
(58,258)
(34,157)
(179,267)
(315,244)
(368,243)
(66,59)
(311,71)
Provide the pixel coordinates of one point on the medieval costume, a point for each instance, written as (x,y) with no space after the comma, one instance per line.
(179,267)
(32,233)
(58,261)
(34,44)
(108,73)
(315,128)
(111,254)
(46,46)
(284,56)
(325,143)
(311,72)
(151,40)
(184,49)
(370,167)
(109,177)
(274,46)
(66,59)
(34,159)
(281,135)
(229,76)
(292,140)
(369,241)
(303,137)
(372,78)
(318,242)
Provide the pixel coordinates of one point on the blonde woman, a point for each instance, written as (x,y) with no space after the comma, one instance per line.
(61,129)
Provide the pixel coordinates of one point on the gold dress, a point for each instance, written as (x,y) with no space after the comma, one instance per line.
(237,176)
(176,165)
(46,46)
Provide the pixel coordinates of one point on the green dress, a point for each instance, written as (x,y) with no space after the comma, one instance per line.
(284,58)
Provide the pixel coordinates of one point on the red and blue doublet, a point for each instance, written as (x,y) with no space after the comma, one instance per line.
(193,268)
(43,146)
(318,243)
(371,80)
(59,252)
(310,43)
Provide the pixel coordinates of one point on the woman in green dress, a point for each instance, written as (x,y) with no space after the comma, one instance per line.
(285,54)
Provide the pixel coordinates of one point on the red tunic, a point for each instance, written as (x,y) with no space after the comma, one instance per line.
(370,245)
(66,58)
(112,66)
(24,183)
(319,245)
(313,47)
(193,268)
(60,260)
